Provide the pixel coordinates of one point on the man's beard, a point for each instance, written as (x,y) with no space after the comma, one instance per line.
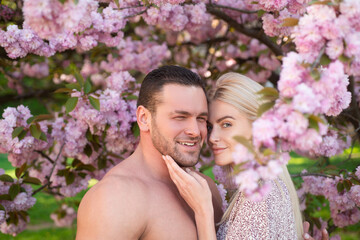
(166,147)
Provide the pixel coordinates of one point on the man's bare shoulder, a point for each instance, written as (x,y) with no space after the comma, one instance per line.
(114,207)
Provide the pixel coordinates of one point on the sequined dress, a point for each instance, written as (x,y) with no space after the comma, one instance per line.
(271,218)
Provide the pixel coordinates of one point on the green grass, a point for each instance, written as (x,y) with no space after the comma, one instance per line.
(46,204)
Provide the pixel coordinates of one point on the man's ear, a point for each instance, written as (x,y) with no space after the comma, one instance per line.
(143,117)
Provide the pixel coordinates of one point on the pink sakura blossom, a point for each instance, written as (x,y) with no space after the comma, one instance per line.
(67,219)
(275,5)
(50,17)
(273,26)
(13,229)
(332,144)
(223,193)
(38,70)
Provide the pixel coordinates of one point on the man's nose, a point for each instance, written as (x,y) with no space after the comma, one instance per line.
(193,129)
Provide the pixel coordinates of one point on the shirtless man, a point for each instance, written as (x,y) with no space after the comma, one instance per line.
(137,199)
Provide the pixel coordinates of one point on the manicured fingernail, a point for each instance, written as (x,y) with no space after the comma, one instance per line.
(187,170)
(325,231)
(306,236)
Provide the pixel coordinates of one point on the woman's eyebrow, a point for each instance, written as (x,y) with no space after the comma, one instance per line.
(222,118)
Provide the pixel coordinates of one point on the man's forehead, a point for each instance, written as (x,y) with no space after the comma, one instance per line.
(183,98)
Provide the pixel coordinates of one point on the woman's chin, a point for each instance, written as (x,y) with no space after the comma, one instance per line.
(222,161)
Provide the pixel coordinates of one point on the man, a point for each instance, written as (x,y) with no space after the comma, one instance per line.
(137,199)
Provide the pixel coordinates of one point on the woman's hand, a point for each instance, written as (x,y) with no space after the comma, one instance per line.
(306,236)
(196,192)
(192,187)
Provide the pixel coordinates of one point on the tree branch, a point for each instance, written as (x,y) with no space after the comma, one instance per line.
(257,34)
(234,9)
(311,174)
(52,170)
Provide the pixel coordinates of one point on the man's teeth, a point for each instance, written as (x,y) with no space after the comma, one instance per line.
(187,144)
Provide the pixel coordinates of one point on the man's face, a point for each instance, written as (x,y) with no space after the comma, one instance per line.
(178,128)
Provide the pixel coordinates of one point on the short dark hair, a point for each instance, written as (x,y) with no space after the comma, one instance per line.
(154,82)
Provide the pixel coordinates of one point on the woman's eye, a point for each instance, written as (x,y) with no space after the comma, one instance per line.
(226,125)
(209,127)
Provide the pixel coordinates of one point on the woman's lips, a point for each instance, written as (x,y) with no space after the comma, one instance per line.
(218,150)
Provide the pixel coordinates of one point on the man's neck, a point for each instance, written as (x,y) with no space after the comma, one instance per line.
(152,162)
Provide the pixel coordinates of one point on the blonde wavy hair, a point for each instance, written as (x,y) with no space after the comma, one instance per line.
(240,92)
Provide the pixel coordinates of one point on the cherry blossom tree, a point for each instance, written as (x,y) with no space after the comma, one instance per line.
(85,60)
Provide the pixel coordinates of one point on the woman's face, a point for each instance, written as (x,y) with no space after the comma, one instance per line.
(226,122)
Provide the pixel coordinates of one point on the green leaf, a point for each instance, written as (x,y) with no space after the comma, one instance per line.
(74,70)
(325,60)
(131,97)
(314,122)
(17,132)
(30,120)
(22,135)
(290,22)
(265,107)
(23,215)
(117,3)
(344,58)
(315,74)
(347,184)
(32,180)
(268,152)
(88,150)
(94,102)
(70,178)
(19,171)
(89,136)
(269,93)
(6,178)
(71,104)
(260,13)
(65,90)
(14,191)
(87,86)
(2,207)
(242,140)
(243,48)
(87,167)
(62,172)
(42,117)
(35,131)
(101,163)
(135,129)
(340,187)
(43,137)
(5,197)
(72,86)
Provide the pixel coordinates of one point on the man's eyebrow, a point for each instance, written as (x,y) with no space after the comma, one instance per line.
(222,118)
(203,114)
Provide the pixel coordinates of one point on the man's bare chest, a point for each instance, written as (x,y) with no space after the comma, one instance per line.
(169,218)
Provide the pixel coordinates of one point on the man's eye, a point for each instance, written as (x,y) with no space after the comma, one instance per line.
(226,125)
(202,119)
(180,117)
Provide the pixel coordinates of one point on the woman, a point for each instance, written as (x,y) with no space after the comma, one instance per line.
(233,107)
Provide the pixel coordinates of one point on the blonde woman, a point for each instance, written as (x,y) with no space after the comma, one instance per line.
(233,107)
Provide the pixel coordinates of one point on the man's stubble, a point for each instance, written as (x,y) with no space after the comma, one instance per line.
(166,147)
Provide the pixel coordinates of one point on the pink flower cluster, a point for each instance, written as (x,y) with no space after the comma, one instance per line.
(64,217)
(136,55)
(37,70)
(50,17)
(177,17)
(344,206)
(22,202)
(20,42)
(326,95)
(20,151)
(252,172)
(324,26)
(332,144)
